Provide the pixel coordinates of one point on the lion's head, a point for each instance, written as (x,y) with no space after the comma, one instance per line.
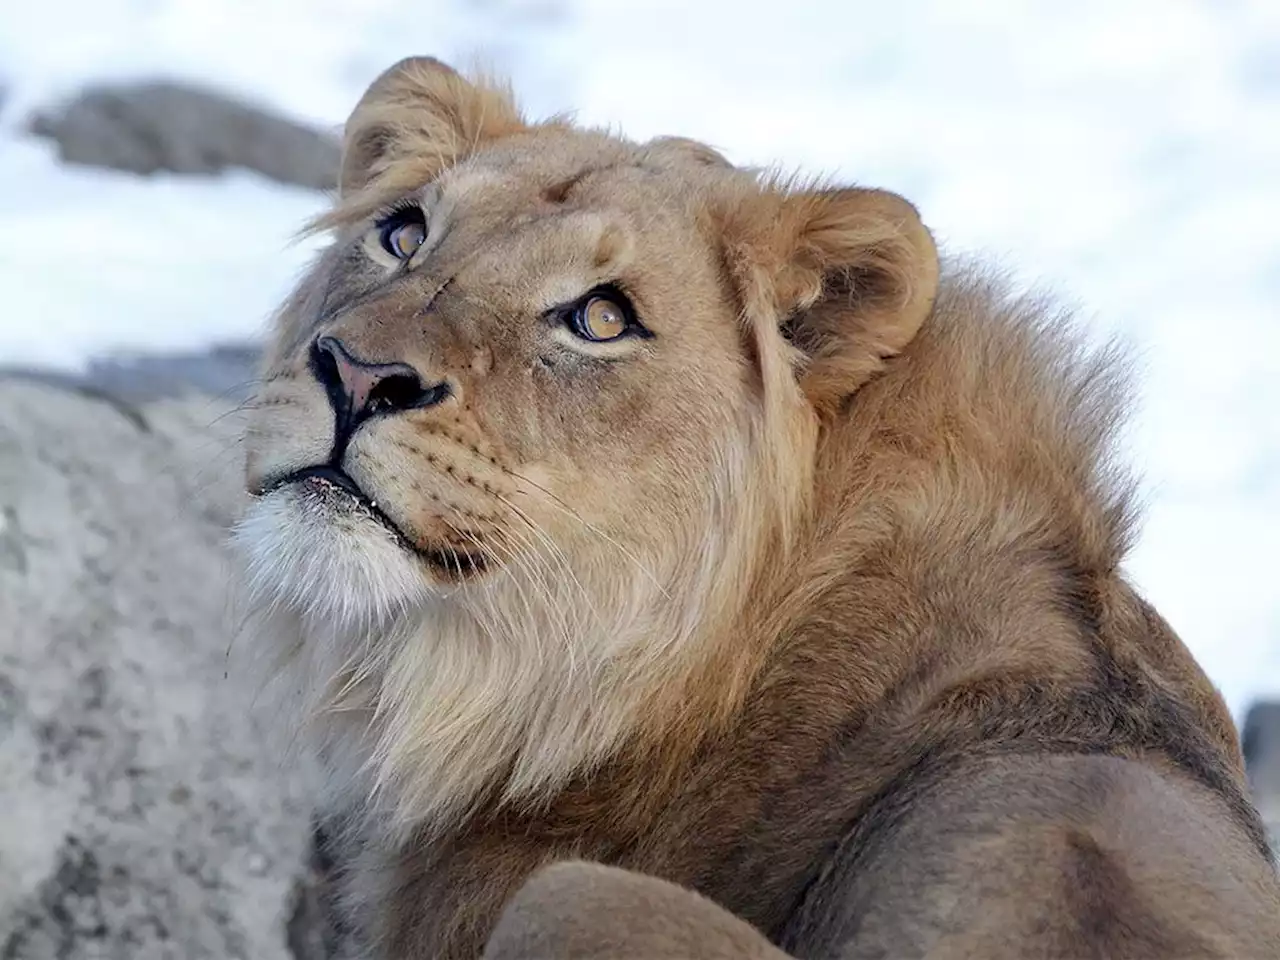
(537,427)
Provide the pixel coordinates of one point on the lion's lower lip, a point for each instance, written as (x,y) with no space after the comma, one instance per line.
(335,480)
(449,562)
(331,476)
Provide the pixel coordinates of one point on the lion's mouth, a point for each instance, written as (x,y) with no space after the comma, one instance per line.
(446,561)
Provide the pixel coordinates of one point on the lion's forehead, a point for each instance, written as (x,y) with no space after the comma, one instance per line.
(498,233)
(543,170)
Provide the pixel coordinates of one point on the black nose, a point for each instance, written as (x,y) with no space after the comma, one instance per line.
(358,389)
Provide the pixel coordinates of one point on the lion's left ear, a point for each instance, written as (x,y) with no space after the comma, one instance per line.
(849,275)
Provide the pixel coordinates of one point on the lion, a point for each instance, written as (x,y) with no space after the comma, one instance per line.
(667,558)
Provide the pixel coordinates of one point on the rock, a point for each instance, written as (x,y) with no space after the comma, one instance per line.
(143,816)
(1261,741)
(162,126)
(227,371)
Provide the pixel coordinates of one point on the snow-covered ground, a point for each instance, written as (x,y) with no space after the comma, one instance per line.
(1124,153)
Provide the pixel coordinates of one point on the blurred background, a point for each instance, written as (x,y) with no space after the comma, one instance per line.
(156,157)
(1125,155)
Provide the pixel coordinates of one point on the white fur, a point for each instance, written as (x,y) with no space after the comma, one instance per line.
(335,565)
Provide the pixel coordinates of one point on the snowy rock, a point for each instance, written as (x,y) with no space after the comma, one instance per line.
(226,371)
(142,815)
(161,126)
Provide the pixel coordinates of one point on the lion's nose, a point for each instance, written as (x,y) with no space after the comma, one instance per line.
(359,389)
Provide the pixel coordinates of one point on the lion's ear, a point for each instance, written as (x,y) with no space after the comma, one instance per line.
(422,113)
(849,276)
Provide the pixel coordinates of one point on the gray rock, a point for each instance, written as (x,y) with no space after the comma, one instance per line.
(1261,742)
(143,816)
(163,126)
(227,372)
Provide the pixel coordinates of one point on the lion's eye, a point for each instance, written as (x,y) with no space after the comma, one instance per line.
(403,232)
(600,318)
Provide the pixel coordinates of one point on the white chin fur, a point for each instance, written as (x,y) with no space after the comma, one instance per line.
(326,561)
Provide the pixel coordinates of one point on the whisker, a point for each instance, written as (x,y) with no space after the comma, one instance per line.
(556,554)
(244,406)
(489,614)
(573,514)
(524,562)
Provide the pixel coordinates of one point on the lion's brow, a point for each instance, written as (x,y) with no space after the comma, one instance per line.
(558,192)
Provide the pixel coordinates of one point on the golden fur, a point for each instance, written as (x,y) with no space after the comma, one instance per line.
(837,485)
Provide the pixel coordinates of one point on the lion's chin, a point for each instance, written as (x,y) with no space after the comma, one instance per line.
(321,555)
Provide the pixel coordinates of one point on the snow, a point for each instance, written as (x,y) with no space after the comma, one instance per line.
(1121,154)
(105,261)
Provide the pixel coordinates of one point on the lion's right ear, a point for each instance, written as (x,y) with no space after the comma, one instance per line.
(845,276)
(419,117)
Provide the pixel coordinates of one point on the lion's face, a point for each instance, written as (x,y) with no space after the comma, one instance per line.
(496,367)
(543,413)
